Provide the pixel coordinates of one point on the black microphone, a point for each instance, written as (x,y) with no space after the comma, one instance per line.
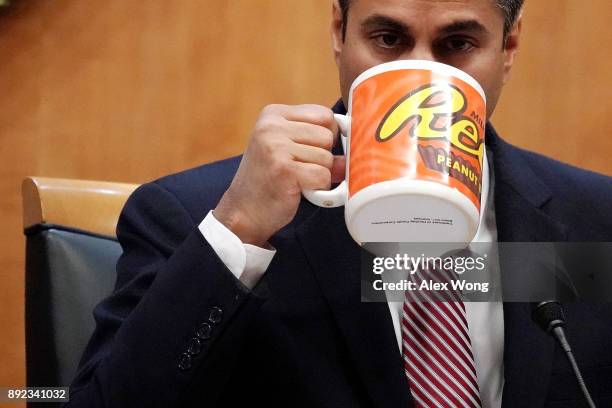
(550,317)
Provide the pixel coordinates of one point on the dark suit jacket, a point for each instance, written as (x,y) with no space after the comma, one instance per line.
(302,338)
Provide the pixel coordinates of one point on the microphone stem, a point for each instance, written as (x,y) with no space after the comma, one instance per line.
(560,336)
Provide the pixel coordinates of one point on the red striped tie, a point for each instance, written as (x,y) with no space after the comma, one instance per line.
(437,353)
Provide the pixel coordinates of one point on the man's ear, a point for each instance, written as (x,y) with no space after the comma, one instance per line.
(337,36)
(511,45)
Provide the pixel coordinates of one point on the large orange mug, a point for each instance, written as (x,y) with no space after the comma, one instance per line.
(414,143)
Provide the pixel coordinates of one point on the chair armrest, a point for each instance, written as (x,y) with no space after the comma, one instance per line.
(92,206)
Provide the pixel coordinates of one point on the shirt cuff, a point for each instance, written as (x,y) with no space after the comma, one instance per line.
(247,262)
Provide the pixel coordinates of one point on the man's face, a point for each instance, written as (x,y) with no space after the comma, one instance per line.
(467,34)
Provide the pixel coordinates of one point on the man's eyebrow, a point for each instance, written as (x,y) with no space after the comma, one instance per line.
(464,25)
(377,21)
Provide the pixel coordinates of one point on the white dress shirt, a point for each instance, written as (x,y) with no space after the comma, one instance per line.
(485,319)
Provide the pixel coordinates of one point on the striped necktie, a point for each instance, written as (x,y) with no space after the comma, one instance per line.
(437,351)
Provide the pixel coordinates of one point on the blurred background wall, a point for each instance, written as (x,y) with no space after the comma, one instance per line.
(128,90)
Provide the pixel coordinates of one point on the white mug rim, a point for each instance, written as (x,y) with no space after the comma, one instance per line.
(398,65)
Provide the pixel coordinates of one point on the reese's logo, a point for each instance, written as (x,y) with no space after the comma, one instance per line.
(434,111)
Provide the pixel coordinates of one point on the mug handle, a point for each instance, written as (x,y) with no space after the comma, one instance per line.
(337,196)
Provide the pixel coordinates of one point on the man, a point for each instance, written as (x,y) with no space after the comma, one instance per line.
(257,303)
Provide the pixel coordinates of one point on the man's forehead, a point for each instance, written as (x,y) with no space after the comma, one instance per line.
(407,7)
(427,3)
(441,13)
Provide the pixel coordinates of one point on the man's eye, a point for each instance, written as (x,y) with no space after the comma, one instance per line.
(388,40)
(458,44)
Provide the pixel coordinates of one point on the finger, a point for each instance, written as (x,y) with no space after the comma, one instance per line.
(310,154)
(313,114)
(311,176)
(338,169)
(312,135)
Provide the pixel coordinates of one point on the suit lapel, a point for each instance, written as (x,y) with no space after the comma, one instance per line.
(366,328)
(520,199)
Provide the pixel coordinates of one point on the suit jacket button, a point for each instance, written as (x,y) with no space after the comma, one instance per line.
(215,316)
(195,346)
(204,331)
(185,362)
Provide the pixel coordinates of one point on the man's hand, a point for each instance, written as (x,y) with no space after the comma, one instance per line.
(289,150)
